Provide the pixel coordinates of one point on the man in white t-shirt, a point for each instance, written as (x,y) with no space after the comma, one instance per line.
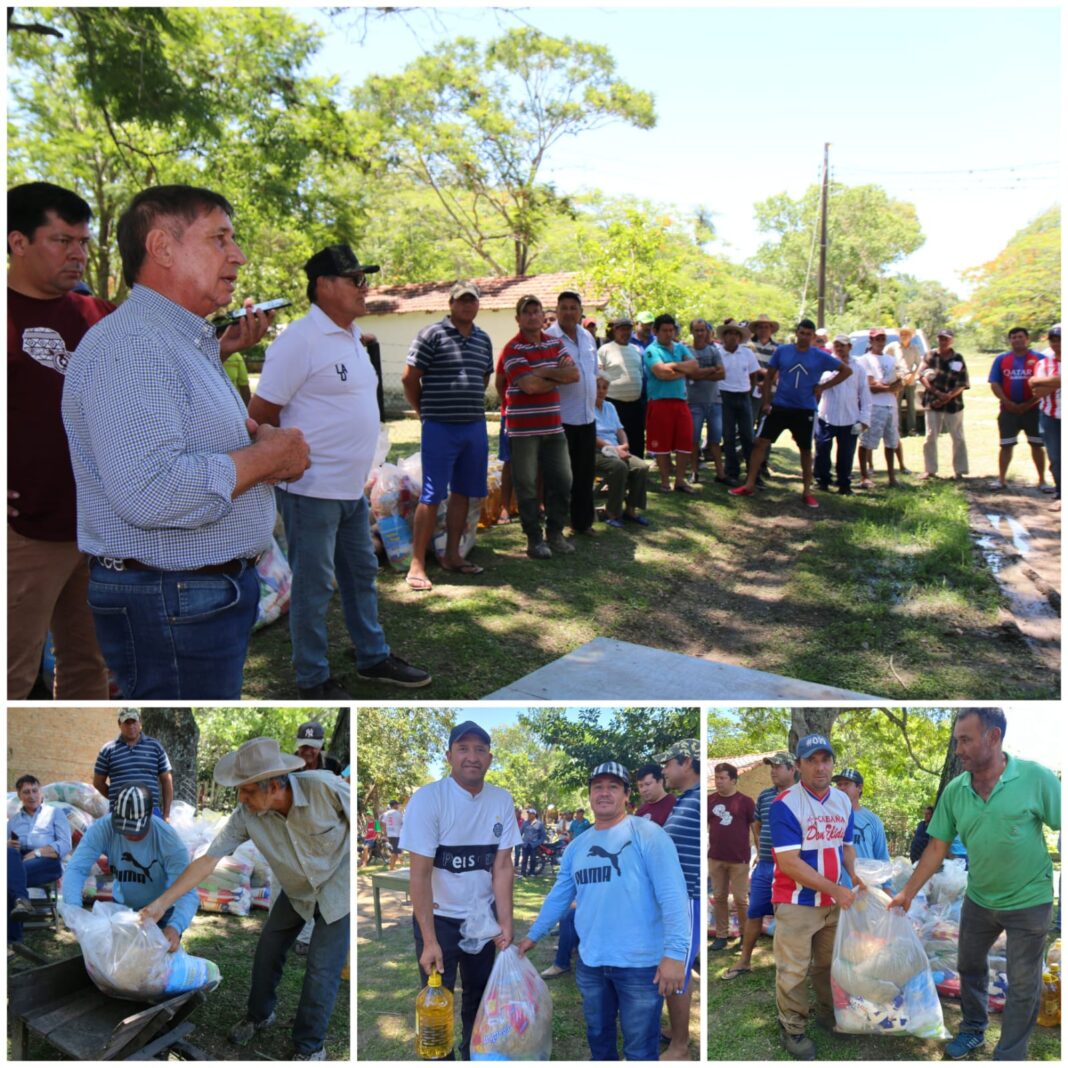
(887,376)
(460,832)
(393,821)
(318,377)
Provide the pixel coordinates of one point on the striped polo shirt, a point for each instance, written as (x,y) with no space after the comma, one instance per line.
(684,827)
(817,827)
(122,764)
(454,372)
(531,414)
(1050,404)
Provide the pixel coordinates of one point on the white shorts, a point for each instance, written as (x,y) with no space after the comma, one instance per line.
(883,428)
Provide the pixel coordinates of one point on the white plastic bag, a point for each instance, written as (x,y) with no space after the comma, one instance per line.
(881,981)
(515,1016)
(79,794)
(479,927)
(126,959)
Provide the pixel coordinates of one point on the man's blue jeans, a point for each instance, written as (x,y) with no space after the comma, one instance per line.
(22,874)
(1051,434)
(325,538)
(1025,931)
(826,435)
(322,975)
(737,423)
(630,994)
(174,634)
(568,940)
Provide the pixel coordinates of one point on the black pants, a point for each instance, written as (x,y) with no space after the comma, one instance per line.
(474,968)
(582,449)
(632,416)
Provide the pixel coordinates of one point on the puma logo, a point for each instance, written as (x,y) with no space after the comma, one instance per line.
(598,851)
(145,875)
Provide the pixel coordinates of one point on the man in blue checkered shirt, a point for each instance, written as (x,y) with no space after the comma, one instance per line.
(173,482)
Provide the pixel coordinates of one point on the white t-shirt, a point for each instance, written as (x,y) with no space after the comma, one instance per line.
(739,365)
(322,377)
(393,820)
(462,833)
(884,370)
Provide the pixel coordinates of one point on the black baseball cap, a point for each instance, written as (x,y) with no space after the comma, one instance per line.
(334,261)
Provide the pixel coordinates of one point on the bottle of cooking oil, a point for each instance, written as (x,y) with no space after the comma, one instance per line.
(1049,1011)
(1053,956)
(433,1020)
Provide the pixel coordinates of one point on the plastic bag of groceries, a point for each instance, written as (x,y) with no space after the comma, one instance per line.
(228,888)
(880,977)
(128,959)
(949,884)
(80,795)
(515,1016)
(13,804)
(467,535)
(276,584)
(479,926)
(78,820)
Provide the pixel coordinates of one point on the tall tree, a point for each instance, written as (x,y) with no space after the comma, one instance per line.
(1021,286)
(177,731)
(867,230)
(811,721)
(529,770)
(475,125)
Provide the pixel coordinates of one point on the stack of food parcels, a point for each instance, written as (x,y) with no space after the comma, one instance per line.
(881,981)
(128,959)
(515,1017)
(937,920)
(493,502)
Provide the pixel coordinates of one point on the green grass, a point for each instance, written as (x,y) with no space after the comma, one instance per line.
(882,593)
(743,1025)
(387,977)
(229,941)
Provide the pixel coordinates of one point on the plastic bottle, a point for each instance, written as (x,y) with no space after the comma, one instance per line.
(1049,1012)
(1054,954)
(433,1020)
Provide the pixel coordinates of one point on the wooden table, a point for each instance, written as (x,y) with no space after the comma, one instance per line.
(606,669)
(388,880)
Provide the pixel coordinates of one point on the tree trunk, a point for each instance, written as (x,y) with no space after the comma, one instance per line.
(339,740)
(177,731)
(811,721)
(952,767)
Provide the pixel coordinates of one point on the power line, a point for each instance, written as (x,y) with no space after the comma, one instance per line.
(965,170)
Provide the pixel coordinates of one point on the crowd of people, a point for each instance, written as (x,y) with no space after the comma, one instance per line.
(805,833)
(626,896)
(145,478)
(295,808)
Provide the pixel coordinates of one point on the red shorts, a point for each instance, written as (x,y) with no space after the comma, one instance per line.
(668,427)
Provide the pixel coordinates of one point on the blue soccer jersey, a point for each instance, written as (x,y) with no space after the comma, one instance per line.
(816,826)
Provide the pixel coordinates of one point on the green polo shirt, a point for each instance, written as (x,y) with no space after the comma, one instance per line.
(1009,866)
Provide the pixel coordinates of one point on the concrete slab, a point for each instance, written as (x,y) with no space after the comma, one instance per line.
(609,670)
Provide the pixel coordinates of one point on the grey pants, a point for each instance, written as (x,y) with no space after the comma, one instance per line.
(1026,931)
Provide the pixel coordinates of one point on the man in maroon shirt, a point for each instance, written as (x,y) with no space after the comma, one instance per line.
(730,815)
(657,803)
(47,576)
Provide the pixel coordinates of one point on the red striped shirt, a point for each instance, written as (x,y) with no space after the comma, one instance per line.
(1051,404)
(530,414)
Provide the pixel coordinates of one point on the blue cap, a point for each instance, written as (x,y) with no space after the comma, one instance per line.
(813,743)
(467,727)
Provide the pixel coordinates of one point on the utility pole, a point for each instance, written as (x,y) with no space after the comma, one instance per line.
(823,239)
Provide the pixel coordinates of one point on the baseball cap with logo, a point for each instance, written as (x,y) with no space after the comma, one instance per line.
(336,261)
(465,289)
(876,331)
(688,747)
(813,743)
(133,809)
(310,734)
(850,774)
(611,767)
(781,757)
(129,713)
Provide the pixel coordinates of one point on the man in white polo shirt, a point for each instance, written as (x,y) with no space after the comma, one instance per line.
(318,376)
(460,832)
(741,371)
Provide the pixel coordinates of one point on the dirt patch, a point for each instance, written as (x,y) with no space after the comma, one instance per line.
(1017,534)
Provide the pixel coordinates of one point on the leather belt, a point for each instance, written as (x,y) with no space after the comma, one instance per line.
(230,567)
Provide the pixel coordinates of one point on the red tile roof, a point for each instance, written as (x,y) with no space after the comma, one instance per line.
(496,293)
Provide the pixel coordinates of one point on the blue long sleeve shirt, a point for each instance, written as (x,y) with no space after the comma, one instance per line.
(142,870)
(632,909)
(48,826)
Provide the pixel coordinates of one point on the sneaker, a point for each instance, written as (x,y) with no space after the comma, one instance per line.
(963,1044)
(242,1033)
(539,551)
(800,1047)
(640,520)
(741,491)
(396,671)
(23,907)
(318,1055)
(845,491)
(825,486)
(616,524)
(717,944)
(997,484)
(1046,487)
(809,501)
(558,543)
(553,971)
(329,690)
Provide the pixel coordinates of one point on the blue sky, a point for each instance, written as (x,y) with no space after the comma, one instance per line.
(955,109)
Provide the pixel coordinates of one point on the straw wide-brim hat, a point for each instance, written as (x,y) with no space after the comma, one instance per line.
(259,758)
(764,319)
(722,329)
